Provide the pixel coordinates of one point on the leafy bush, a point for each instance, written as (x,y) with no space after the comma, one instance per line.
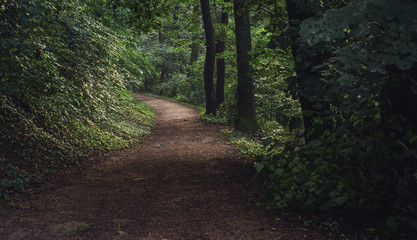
(62,94)
(359,158)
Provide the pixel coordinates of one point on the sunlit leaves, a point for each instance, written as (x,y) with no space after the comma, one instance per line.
(59,89)
(145,16)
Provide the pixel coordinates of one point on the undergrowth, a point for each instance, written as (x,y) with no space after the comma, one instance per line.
(63,90)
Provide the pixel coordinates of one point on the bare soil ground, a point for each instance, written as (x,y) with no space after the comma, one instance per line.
(184,182)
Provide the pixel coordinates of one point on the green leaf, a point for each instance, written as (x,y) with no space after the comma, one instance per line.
(258,167)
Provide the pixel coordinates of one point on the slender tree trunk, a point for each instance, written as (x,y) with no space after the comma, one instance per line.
(246,118)
(210,58)
(221,67)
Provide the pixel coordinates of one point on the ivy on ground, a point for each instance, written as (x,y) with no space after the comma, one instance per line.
(64,80)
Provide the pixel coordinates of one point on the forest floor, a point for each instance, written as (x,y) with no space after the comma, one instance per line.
(186,181)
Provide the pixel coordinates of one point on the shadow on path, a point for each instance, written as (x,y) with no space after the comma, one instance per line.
(184,182)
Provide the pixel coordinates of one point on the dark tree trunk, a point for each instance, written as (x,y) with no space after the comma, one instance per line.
(246,118)
(221,67)
(295,14)
(210,58)
(305,75)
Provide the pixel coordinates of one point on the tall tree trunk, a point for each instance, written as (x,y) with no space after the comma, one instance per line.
(210,58)
(221,67)
(246,118)
(296,14)
(195,46)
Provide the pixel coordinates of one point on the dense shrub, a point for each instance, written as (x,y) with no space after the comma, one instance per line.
(62,95)
(357,72)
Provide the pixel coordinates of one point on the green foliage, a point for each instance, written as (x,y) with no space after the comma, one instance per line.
(248,144)
(271,66)
(13,178)
(169,55)
(173,81)
(361,161)
(145,16)
(133,60)
(62,96)
(66,67)
(138,70)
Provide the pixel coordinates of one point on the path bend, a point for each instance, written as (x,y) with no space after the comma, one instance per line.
(184,182)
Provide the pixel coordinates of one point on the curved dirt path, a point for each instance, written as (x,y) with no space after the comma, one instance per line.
(184,182)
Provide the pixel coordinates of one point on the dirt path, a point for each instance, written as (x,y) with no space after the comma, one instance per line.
(184,182)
